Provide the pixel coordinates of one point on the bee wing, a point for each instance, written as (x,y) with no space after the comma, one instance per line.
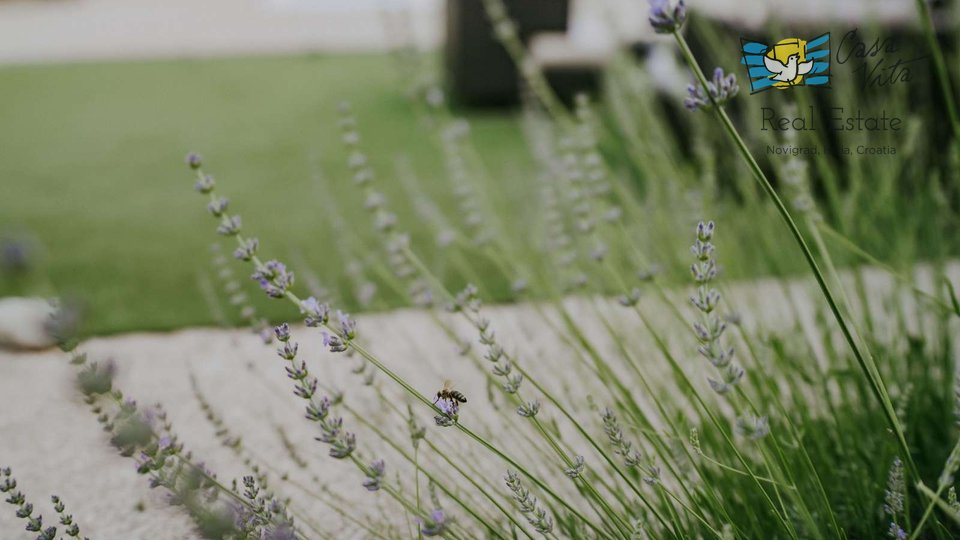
(447,385)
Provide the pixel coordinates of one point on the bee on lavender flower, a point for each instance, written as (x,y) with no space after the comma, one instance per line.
(453,397)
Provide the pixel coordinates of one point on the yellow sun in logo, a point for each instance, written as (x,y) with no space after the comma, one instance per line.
(788,62)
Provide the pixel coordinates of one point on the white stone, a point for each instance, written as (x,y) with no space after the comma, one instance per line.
(22,323)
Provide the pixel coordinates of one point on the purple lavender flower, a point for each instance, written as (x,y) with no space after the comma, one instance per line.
(317,313)
(246,251)
(435,525)
(631,299)
(343,446)
(229,226)
(449,407)
(535,514)
(295,371)
(896,532)
(652,476)
(307,387)
(896,487)
(279,532)
(218,206)
(288,351)
(334,343)
(272,290)
(529,409)
(710,328)
(282,332)
(17,255)
(194,161)
(719,91)
(666,19)
(375,475)
(204,184)
(317,411)
(576,469)
(348,326)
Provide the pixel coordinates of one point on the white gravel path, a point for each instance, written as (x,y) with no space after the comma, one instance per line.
(71,30)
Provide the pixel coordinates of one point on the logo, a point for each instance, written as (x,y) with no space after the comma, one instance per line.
(788,63)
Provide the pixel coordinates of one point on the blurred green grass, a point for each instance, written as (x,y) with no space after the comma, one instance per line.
(91,164)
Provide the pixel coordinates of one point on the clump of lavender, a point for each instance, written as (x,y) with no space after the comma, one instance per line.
(666,18)
(529,506)
(147,436)
(718,91)
(893,499)
(709,330)
(8,484)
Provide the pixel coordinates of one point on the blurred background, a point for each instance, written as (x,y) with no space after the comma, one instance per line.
(101,99)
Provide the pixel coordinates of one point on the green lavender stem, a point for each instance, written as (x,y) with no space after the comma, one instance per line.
(943,75)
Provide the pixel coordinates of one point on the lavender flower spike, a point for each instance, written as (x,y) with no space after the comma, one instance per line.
(720,90)
(666,19)
(709,329)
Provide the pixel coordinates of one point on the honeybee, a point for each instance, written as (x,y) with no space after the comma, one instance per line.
(449,394)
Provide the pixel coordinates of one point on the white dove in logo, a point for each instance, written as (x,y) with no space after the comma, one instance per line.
(789,71)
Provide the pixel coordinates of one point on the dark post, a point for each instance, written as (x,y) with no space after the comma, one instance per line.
(479,70)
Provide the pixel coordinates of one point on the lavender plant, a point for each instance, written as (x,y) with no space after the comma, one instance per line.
(594,411)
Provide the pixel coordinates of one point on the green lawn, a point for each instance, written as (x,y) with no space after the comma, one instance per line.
(91,163)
